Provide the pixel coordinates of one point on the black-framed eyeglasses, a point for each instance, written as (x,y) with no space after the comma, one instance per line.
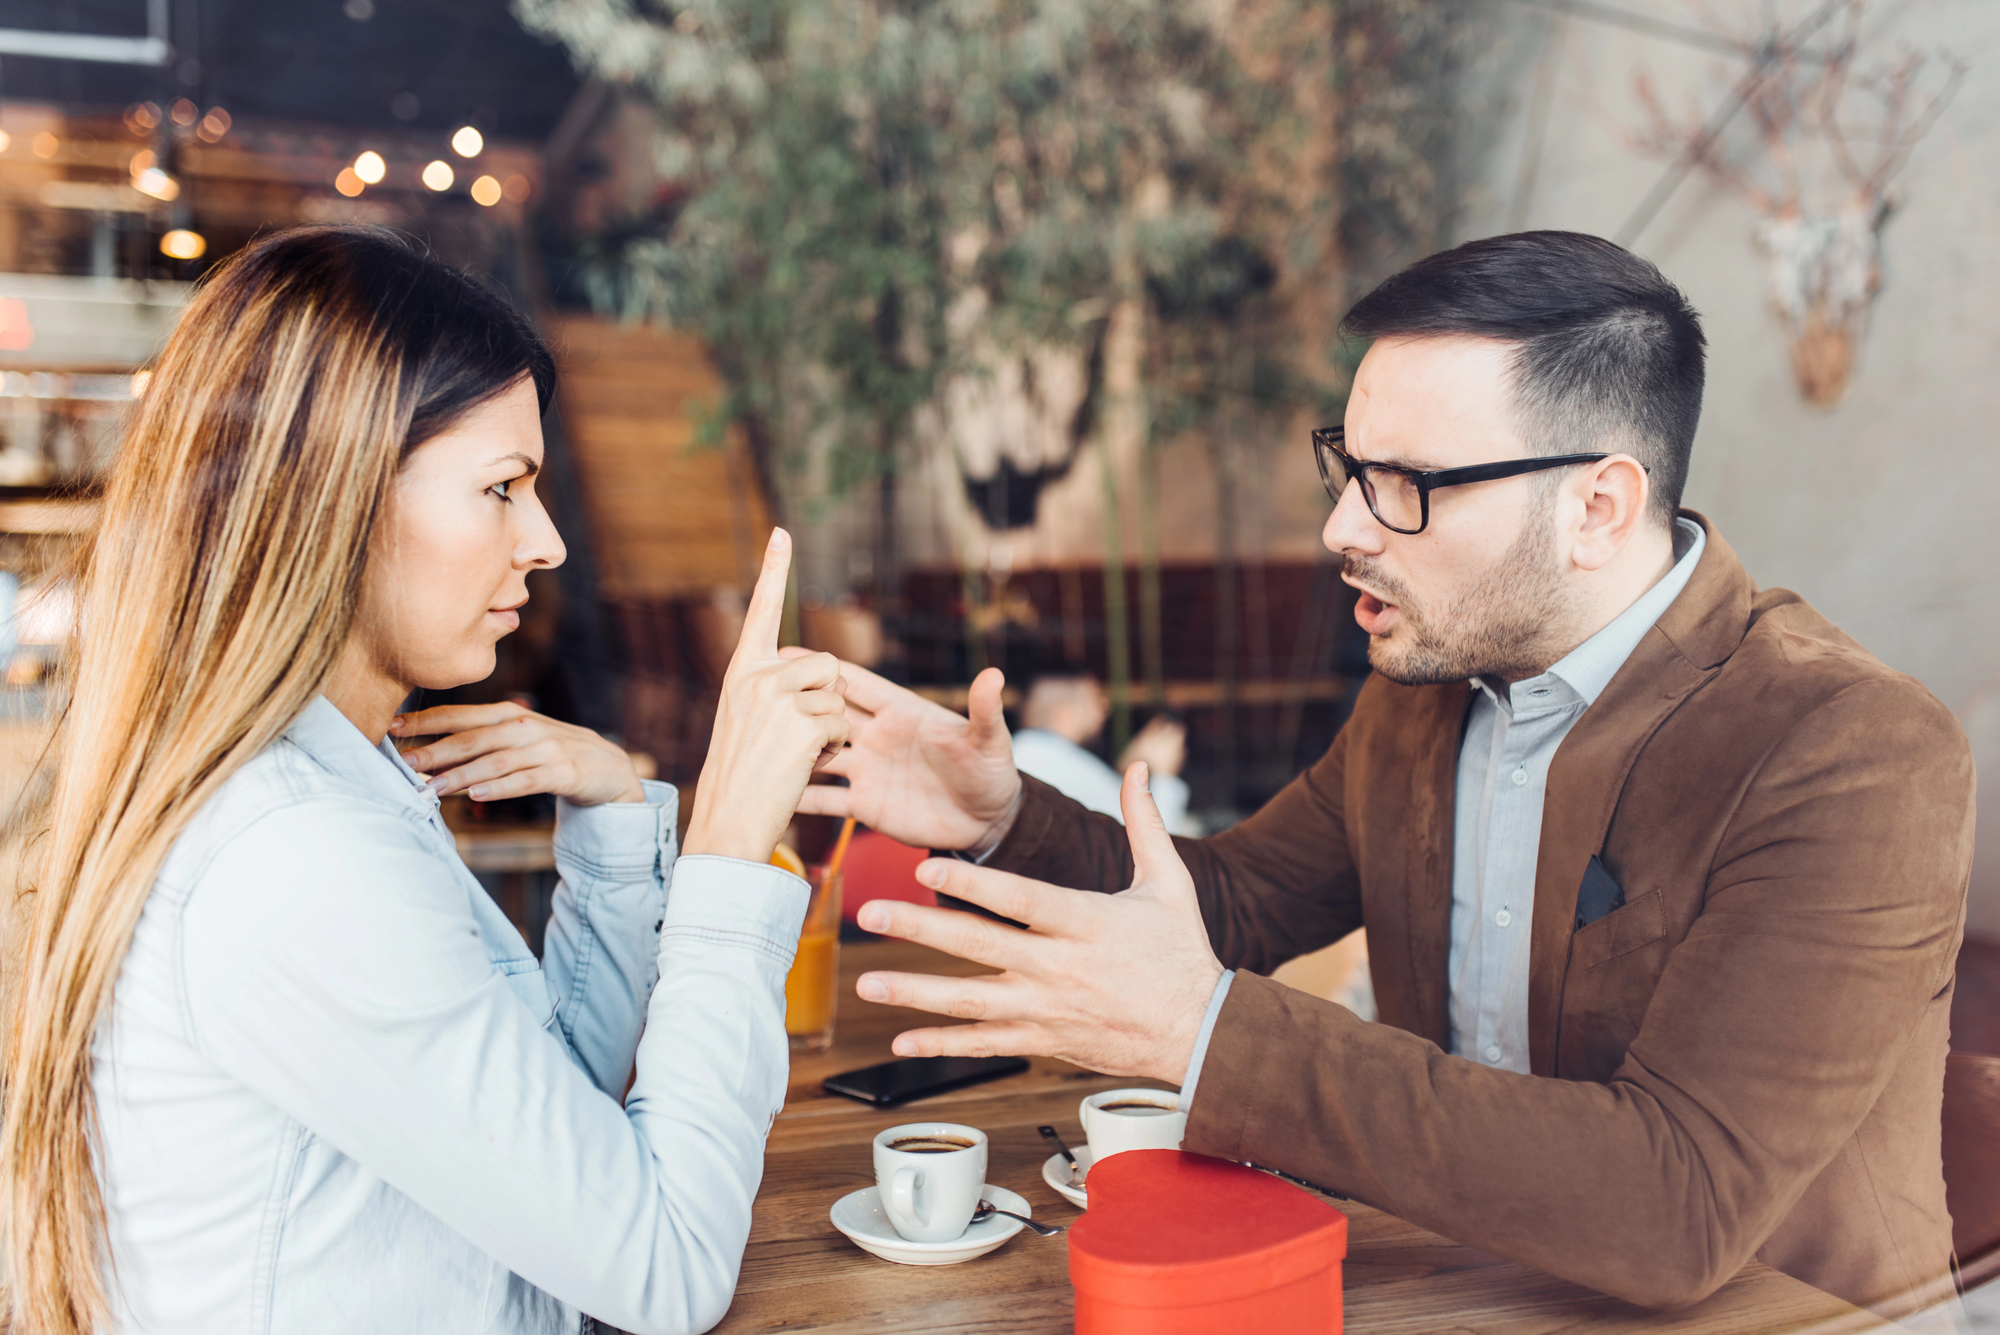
(1400,498)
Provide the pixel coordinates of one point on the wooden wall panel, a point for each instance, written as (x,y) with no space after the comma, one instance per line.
(669,518)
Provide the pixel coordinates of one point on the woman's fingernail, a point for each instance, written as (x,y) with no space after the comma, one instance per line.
(870,988)
(931,873)
(477,792)
(904,1047)
(437,783)
(873,918)
(395,723)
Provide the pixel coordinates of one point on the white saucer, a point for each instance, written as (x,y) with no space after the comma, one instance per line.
(859,1215)
(1056,1173)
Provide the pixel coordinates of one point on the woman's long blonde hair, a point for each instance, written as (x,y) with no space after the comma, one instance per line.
(213,601)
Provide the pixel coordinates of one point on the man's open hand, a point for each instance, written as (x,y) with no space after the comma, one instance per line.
(918,772)
(1114,983)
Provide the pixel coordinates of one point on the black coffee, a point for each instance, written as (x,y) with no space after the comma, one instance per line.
(1137,1106)
(929,1144)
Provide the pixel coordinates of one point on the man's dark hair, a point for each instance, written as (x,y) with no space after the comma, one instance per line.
(1610,353)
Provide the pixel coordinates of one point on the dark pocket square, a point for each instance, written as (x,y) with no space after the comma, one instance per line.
(1598,894)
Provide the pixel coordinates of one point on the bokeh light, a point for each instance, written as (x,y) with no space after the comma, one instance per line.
(516,189)
(468,142)
(438,175)
(486,191)
(181,244)
(347,183)
(45,145)
(370,167)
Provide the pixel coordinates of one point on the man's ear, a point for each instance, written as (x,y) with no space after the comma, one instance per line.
(1613,494)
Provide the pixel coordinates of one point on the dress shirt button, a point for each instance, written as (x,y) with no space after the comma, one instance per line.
(1503,918)
(1520,777)
(1493,1053)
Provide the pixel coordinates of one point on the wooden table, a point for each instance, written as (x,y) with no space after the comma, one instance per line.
(801,1275)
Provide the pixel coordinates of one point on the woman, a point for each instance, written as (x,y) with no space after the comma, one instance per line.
(276,1062)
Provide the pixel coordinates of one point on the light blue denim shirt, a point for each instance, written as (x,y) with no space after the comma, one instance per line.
(337,1093)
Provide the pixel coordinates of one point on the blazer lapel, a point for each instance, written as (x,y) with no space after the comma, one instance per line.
(1433,779)
(1683,650)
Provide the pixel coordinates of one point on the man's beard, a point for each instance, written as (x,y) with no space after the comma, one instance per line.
(1504,626)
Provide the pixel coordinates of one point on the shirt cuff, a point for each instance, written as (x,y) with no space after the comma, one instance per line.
(621,836)
(1201,1038)
(732,902)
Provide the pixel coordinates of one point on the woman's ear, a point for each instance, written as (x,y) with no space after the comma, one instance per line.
(1614,494)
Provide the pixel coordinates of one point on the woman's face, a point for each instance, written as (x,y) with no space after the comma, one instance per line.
(447,570)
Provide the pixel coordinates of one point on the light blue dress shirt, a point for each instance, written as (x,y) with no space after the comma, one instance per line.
(1503,769)
(337,1093)
(1511,737)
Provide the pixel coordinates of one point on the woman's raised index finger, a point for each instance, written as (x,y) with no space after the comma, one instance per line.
(767,603)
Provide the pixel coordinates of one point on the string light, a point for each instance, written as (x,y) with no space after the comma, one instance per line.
(370,167)
(486,191)
(468,142)
(181,244)
(438,175)
(347,183)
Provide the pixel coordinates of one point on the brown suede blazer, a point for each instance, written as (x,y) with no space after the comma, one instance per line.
(1746,1059)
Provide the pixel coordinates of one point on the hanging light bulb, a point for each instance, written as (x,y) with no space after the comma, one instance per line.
(370,167)
(468,142)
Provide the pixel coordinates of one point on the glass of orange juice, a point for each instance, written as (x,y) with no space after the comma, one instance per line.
(812,986)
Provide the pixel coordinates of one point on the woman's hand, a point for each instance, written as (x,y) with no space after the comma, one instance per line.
(779,719)
(504,750)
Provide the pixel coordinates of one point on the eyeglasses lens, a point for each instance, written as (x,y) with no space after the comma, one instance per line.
(1392,497)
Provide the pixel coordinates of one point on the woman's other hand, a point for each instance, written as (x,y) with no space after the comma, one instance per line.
(779,719)
(489,752)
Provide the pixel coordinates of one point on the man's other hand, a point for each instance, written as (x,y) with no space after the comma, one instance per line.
(920,773)
(1114,983)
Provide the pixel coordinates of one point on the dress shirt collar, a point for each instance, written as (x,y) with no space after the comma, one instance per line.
(329,737)
(1584,672)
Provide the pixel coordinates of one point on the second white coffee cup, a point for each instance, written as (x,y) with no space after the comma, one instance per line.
(930,1175)
(1132,1119)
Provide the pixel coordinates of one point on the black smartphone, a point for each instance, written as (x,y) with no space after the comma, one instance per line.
(918,1077)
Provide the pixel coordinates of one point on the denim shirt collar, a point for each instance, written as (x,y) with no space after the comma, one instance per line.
(330,738)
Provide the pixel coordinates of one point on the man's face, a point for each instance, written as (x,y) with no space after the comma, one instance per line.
(1480,590)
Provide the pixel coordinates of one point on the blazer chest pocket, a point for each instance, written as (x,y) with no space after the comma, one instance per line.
(1620,932)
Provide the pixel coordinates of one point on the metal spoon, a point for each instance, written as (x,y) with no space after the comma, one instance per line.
(1075,1173)
(987,1209)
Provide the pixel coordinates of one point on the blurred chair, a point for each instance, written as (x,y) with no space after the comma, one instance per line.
(1972,1163)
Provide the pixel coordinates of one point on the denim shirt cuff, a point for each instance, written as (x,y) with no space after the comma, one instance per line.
(632,837)
(732,902)
(1200,1054)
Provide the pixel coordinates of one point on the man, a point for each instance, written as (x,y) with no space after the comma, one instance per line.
(1662,908)
(1062,713)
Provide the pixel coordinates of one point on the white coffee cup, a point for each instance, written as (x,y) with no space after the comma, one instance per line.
(1132,1119)
(930,1175)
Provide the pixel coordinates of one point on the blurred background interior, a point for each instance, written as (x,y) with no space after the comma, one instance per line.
(1019,315)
